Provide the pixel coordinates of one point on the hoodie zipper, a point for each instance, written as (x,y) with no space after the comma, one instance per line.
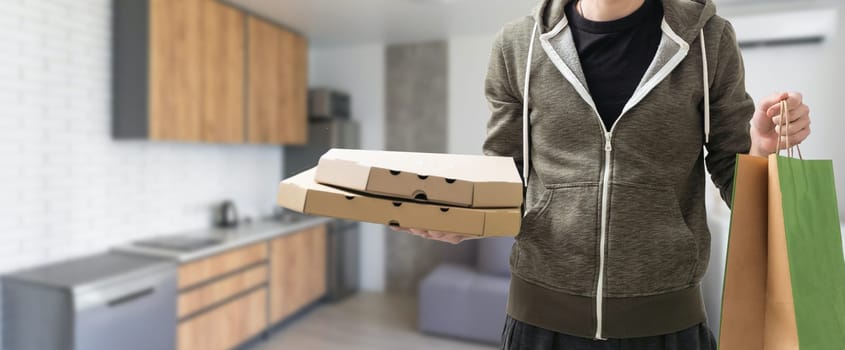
(605,189)
(608,150)
(607,170)
(608,147)
(605,208)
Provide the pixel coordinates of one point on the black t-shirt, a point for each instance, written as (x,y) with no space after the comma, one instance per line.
(614,55)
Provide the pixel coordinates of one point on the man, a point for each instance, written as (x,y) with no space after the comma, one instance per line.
(609,121)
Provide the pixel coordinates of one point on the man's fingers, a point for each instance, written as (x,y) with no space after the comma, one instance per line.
(795,139)
(453,239)
(441,233)
(800,136)
(794,101)
(799,112)
(794,127)
(447,237)
(795,113)
(772,101)
(420,233)
(798,118)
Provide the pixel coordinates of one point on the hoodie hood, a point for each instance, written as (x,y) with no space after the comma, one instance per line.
(685,17)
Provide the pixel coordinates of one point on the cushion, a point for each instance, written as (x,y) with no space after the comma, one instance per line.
(457,301)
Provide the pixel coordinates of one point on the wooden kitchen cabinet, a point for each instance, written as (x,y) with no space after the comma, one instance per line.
(200,271)
(181,73)
(228,298)
(223,50)
(222,299)
(196,79)
(297,271)
(198,299)
(175,77)
(227,326)
(278,86)
(178,71)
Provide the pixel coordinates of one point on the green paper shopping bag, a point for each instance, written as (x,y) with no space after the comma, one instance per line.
(785,272)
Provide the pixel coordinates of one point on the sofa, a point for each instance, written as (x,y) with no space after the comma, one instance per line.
(468,301)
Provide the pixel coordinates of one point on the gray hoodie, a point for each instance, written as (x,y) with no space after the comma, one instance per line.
(614,241)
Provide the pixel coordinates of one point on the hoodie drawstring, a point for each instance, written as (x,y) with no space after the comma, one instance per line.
(526,160)
(706,89)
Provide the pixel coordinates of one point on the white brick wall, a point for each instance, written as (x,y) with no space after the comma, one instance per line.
(66,188)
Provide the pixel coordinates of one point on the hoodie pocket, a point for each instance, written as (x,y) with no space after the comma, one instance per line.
(557,245)
(650,248)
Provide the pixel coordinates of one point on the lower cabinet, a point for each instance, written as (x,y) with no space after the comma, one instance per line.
(223,299)
(201,271)
(226,326)
(208,296)
(297,271)
(228,299)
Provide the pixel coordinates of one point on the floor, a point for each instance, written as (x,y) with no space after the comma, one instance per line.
(371,321)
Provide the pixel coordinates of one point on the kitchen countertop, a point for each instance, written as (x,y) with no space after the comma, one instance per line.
(231,238)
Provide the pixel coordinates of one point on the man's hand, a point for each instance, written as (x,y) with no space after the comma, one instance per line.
(453,238)
(767,128)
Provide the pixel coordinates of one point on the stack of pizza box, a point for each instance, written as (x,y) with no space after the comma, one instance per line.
(465,194)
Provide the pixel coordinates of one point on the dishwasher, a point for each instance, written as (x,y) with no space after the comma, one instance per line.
(101,302)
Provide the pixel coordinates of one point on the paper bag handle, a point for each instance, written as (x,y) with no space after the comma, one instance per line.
(784,124)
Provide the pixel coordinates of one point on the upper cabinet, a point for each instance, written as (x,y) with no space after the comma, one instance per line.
(278,86)
(175,78)
(223,50)
(184,71)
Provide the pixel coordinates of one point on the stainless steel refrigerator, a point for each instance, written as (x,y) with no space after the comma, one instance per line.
(343,236)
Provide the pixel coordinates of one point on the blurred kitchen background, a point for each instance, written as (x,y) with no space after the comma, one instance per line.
(142,141)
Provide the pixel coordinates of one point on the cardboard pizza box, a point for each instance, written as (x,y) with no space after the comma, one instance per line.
(459,180)
(302,194)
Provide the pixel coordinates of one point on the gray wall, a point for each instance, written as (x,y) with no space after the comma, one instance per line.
(416,120)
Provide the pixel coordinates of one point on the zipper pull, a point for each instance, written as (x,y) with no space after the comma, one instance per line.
(607,146)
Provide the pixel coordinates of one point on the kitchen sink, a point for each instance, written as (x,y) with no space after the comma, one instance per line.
(181,243)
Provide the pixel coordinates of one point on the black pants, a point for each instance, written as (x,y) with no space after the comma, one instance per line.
(521,336)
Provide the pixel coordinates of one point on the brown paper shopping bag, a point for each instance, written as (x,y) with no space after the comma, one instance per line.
(785,272)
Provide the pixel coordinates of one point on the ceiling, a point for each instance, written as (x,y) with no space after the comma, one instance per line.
(352,22)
